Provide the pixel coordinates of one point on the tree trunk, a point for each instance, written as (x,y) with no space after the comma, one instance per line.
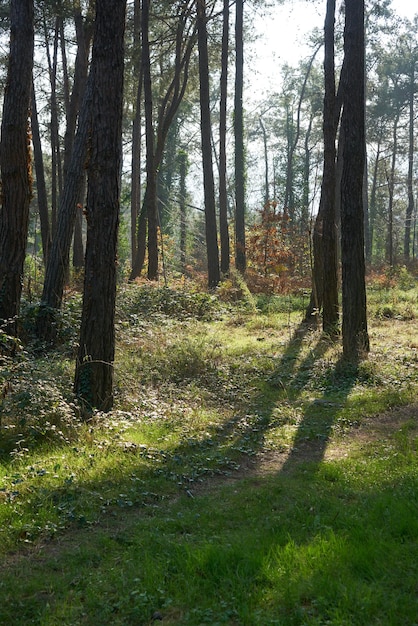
(40,179)
(136,137)
(56,174)
(58,260)
(373,203)
(223,196)
(183,166)
(94,365)
(354,327)
(240,250)
(15,162)
(330,284)
(151,195)
(390,177)
(410,206)
(205,127)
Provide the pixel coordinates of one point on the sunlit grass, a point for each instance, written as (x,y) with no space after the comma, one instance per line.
(245,476)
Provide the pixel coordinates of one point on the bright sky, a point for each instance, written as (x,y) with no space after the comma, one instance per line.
(282,36)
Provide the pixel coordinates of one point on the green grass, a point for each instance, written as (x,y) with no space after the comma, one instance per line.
(245,477)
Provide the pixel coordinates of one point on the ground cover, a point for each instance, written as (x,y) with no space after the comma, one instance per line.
(246,475)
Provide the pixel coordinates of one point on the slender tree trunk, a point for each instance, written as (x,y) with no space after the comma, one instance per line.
(183,163)
(330,286)
(136,136)
(240,250)
(390,176)
(84,31)
(354,327)
(58,260)
(205,125)
(40,179)
(266,163)
(223,196)
(56,175)
(410,206)
(373,204)
(94,365)
(15,162)
(151,194)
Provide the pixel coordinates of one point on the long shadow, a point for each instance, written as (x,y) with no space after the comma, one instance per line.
(287,384)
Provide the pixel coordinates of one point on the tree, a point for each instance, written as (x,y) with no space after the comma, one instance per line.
(94,365)
(41,192)
(205,127)
(354,326)
(58,259)
(179,41)
(240,256)
(223,197)
(330,284)
(15,163)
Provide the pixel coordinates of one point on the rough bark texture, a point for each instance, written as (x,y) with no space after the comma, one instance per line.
(205,126)
(354,327)
(94,365)
(15,162)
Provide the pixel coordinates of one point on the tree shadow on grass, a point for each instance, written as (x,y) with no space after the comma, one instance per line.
(293,374)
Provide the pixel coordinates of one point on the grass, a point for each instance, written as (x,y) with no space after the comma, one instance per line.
(245,477)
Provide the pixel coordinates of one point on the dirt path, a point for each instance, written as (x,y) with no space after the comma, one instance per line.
(265,463)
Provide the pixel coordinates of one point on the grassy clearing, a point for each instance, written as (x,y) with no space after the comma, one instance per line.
(245,477)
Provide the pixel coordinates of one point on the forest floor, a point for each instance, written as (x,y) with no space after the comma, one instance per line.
(246,476)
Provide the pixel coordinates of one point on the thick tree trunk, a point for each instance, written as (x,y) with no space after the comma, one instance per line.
(94,365)
(205,126)
(15,162)
(354,327)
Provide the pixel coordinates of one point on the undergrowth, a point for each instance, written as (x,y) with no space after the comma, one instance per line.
(233,483)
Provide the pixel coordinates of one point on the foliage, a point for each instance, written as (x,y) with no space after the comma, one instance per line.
(269,249)
(149,299)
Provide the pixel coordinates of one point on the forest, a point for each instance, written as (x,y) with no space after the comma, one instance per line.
(208,313)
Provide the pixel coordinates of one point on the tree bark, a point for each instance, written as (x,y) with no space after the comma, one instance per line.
(15,162)
(410,206)
(42,196)
(330,285)
(354,326)
(205,127)
(223,196)
(240,249)
(93,381)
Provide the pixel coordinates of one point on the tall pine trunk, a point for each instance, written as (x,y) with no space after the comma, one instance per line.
(240,250)
(94,365)
(15,162)
(330,283)
(223,197)
(354,326)
(205,128)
